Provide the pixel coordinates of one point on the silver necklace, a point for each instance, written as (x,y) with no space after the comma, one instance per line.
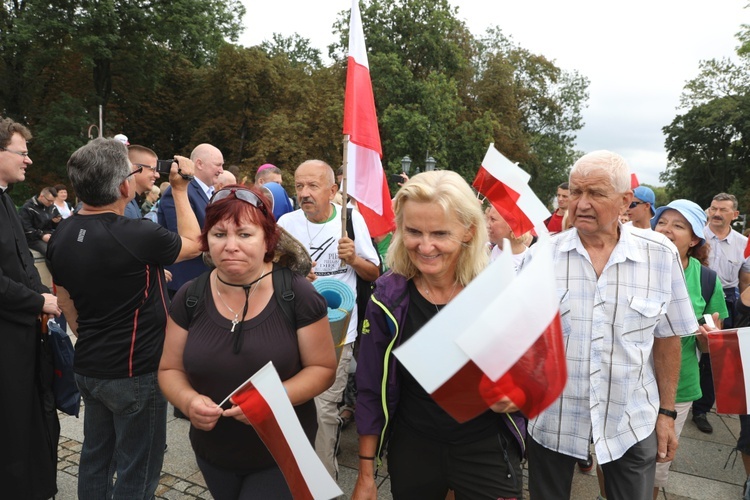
(236,319)
(429,294)
(307,226)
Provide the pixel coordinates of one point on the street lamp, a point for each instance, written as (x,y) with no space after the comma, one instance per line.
(405,164)
(429,164)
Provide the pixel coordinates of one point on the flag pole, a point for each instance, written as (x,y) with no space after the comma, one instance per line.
(344,167)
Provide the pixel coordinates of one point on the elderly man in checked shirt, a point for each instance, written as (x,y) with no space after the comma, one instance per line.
(624,306)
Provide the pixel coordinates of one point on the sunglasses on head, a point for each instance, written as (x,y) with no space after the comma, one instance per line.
(241,194)
(636,203)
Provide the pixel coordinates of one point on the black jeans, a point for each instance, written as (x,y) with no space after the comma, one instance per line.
(630,477)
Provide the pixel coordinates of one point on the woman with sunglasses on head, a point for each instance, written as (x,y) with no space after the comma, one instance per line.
(682,222)
(234,330)
(439,246)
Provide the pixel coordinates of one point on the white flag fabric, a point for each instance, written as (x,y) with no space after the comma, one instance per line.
(266,405)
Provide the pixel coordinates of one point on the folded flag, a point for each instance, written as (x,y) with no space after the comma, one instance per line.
(506,186)
(367,182)
(266,405)
(500,337)
(730,365)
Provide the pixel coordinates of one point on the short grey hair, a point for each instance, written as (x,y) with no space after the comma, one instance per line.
(727,197)
(608,162)
(97,169)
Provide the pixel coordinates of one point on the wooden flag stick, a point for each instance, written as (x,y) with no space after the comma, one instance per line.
(344,167)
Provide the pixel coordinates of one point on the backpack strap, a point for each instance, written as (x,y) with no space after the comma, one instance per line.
(708,284)
(195,294)
(349,224)
(282,290)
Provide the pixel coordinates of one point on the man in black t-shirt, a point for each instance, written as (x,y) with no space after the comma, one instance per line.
(109,272)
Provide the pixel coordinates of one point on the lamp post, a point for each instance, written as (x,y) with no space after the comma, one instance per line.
(405,164)
(429,164)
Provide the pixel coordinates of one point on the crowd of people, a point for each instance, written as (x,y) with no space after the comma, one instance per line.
(179,292)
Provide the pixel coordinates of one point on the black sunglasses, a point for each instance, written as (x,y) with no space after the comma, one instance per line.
(241,194)
(636,203)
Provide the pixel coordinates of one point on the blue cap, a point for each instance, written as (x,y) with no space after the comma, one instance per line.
(644,193)
(691,211)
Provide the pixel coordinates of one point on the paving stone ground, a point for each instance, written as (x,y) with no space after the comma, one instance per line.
(698,472)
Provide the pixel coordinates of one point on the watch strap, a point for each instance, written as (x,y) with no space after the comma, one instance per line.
(669,413)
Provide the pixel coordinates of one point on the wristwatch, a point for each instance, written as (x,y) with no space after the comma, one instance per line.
(669,413)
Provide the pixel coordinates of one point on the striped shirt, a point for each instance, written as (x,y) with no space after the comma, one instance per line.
(609,324)
(727,256)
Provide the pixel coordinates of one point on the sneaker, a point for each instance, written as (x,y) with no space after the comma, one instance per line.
(701,421)
(587,465)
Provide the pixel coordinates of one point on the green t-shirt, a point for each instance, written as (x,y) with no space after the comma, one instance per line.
(689,386)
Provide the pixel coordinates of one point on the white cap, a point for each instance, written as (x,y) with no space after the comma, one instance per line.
(122,138)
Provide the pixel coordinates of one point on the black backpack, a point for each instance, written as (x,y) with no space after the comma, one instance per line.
(282,290)
(708,284)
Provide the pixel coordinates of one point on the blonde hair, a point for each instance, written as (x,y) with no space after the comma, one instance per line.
(448,190)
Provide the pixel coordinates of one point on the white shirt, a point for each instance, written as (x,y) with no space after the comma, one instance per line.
(609,324)
(517,257)
(727,256)
(321,241)
(209,190)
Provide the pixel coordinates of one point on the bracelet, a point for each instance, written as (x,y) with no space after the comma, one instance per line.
(361,457)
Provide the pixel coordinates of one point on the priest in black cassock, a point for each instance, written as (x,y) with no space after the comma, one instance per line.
(29,428)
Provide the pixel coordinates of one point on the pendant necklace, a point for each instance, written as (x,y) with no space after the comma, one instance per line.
(311,238)
(429,294)
(236,319)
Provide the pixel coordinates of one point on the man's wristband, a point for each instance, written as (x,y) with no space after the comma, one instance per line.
(669,413)
(366,458)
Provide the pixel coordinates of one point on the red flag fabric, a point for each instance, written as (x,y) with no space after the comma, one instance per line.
(264,402)
(537,379)
(466,358)
(366,179)
(730,366)
(634,181)
(505,185)
(747,249)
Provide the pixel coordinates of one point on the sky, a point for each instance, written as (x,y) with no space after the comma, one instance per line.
(637,55)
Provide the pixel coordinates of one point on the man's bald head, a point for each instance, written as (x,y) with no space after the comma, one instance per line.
(209,163)
(225,178)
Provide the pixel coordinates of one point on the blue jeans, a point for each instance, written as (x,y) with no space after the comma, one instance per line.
(125,430)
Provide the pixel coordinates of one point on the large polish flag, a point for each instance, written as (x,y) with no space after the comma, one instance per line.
(266,405)
(500,337)
(366,178)
(506,186)
(730,365)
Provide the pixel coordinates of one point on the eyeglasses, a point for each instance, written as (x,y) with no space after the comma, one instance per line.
(241,194)
(636,203)
(142,166)
(24,154)
(136,171)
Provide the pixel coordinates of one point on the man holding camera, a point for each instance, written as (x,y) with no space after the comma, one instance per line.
(144,159)
(209,163)
(39,218)
(119,320)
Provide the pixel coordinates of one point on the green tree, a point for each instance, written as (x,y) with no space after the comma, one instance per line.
(707,144)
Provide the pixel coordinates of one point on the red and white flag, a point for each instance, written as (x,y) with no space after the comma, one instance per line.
(500,337)
(366,179)
(506,186)
(266,405)
(730,365)
(634,181)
